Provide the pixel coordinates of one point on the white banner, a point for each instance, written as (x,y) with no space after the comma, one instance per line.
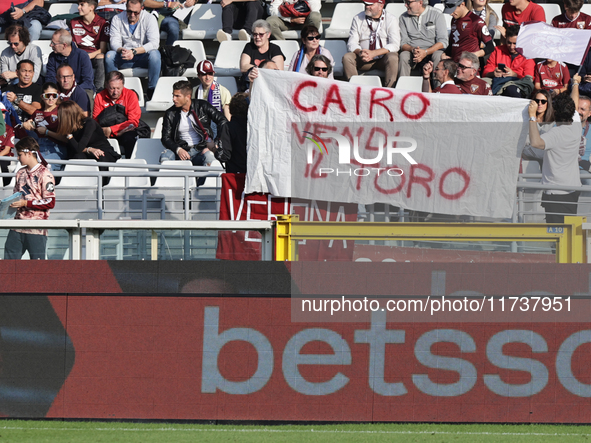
(328,140)
(540,40)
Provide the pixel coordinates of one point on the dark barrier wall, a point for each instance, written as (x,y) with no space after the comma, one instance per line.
(209,341)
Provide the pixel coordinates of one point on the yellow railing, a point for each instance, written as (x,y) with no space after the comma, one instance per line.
(569,237)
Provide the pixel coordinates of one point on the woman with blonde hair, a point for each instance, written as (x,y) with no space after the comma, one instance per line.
(86,139)
(485,12)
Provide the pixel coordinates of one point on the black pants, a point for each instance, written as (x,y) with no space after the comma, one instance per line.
(241,15)
(127,142)
(98,64)
(556,205)
(17,243)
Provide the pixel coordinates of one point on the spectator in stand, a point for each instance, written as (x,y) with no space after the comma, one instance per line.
(233,152)
(169,24)
(64,52)
(511,72)
(19,48)
(23,17)
(108,9)
(186,129)
(105,104)
(468,32)
(583,104)
(287,14)
(258,50)
(25,95)
(212,92)
(551,76)
(560,166)
(85,137)
(545,120)
(444,73)
(585,73)
(90,33)
(6,145)
(44,123)
(572,16)
(135,39)
(374,41)
(423,37)
(254,72)
(486,13)
(309,48)
(516,12)
(320,66)
(239,14)
(466,77)
(69,89)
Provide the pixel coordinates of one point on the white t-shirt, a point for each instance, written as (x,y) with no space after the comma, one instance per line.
(187,132)
(561,157)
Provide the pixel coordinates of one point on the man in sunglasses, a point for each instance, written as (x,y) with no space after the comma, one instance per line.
(468,32)
(466,77)
(423,37)
(135,39)
(374,41)
(19,48)
(319,66)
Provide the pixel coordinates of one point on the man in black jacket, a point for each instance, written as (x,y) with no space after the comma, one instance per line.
(186,131)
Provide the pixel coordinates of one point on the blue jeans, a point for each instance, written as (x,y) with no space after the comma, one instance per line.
(35,30)
(198,158)
(151,60)
(52,151)
(171,26)
(18,242)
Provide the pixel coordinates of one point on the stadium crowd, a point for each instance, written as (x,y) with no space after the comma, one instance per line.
(77,100)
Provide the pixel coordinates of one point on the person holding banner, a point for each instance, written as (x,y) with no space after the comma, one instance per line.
(374,41)
(560,166)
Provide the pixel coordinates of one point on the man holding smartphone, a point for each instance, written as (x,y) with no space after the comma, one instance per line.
(505,65)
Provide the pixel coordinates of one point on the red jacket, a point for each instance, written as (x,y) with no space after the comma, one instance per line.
(128,99)
(520,65)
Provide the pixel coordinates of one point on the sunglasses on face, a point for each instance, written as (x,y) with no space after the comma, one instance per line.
(133,12)
(318,68)
(259,35)
(313,37)
(462,67)
(49,95)
(540,101)
(14,44)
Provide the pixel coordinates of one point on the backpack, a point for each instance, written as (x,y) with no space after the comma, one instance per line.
(176,60)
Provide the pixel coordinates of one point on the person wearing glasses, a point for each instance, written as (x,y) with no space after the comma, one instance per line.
(374,41)
(257,50)
(69,89)
(423,37)
(19,48)
(444,74)
(309,48)
(512,74)
(25,96)
(44,123)
(135,39)
(64,52)
(469,33)
(466,78)
(320,66)
(287,15)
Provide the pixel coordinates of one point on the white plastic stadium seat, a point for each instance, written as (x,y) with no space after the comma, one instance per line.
(80,181)
(396,8)
(289,48)
(196,48)
(212,182)
(341,19)
(158,129)
(367,80)
(136,182)
(58,9)
(337,49)
(440,6)
(115,145)
(135,84)
(586,9)
(134,72)
(410,83)
(162,98)
(205,21)
(551,10)
(174,182)
(148,149)
(45,50)
(229,83)
(227,60)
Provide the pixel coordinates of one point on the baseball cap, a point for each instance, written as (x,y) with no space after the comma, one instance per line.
(451,5)
(205,67)
(2,107)
(371,2)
